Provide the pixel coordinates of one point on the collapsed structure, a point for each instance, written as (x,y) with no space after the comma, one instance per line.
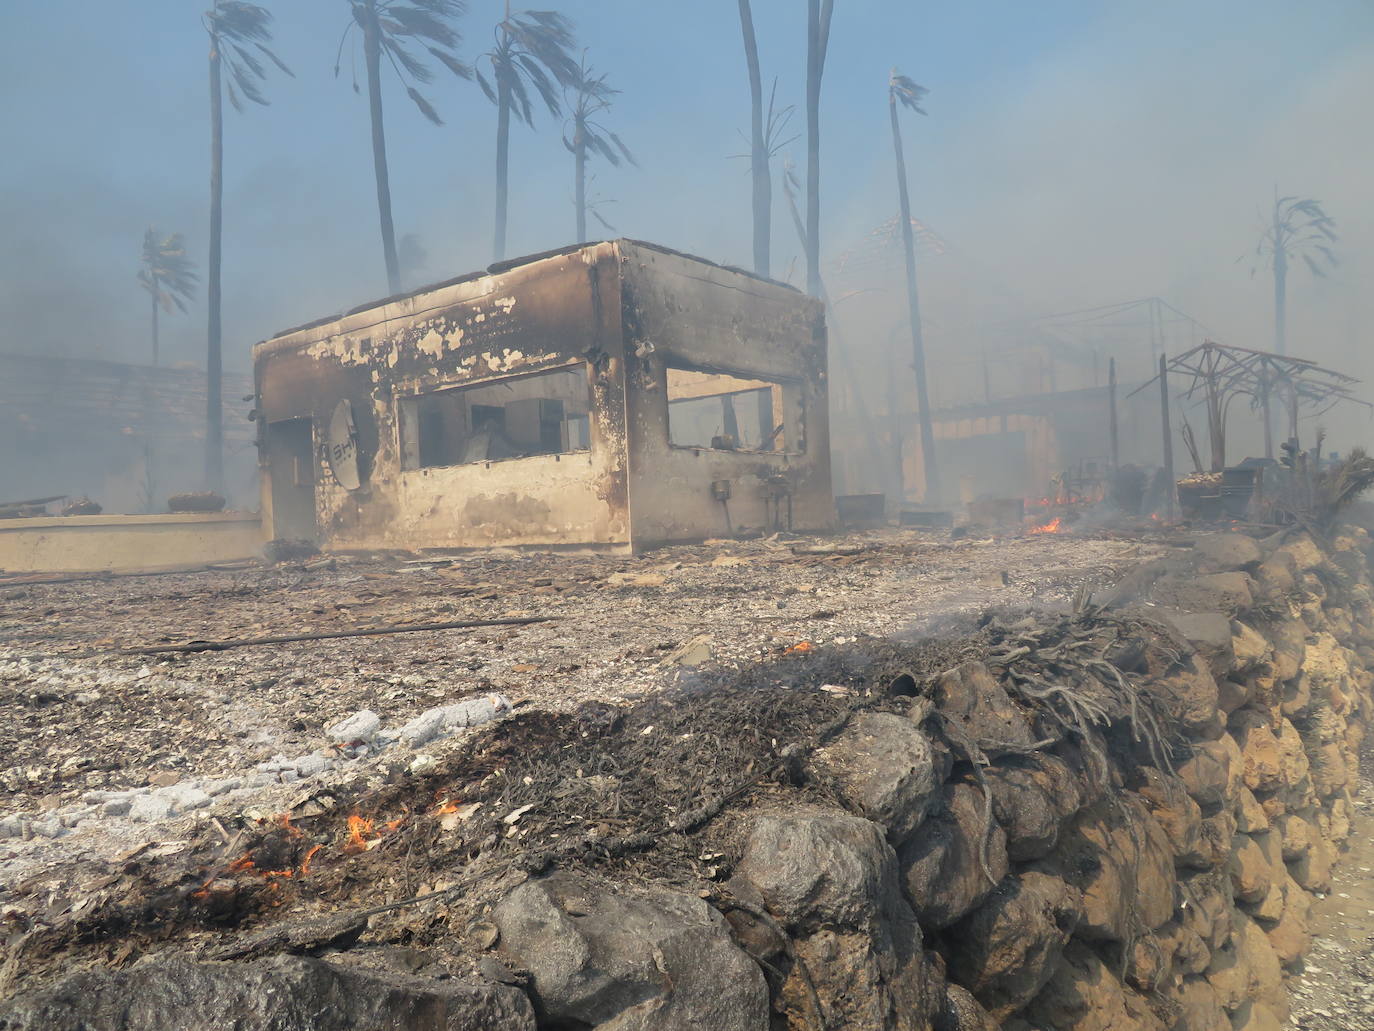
(615,395)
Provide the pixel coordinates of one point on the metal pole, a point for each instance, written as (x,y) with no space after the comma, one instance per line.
(1168,439)
(1111,397)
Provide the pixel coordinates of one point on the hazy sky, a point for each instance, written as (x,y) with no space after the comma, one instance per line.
(1081,153)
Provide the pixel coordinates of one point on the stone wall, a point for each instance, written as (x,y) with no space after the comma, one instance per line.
(981,871)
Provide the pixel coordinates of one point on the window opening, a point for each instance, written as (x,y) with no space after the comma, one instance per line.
(731,412)
(542,413)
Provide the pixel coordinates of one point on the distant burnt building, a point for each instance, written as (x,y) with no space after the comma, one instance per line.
(615,395)
(126,435)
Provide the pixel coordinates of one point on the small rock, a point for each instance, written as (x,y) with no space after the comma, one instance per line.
(696,652)
(361,726)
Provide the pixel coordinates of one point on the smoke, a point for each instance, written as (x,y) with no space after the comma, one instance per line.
(1073,156)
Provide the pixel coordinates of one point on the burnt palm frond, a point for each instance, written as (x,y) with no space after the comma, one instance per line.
(1338,485)
(403,31)
(905,91)
(532,52)
(587,97)
(1298,227)
(239,36)
(168,275)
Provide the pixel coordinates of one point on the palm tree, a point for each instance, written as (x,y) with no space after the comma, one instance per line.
(236,30)
(591,96)
(167,274)
(389,28)
(533,49)
(764,130)
(818,13)
(902,91)
(758,164)
(1298,227)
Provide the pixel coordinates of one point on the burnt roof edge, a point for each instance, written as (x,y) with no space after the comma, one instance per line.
(510,264)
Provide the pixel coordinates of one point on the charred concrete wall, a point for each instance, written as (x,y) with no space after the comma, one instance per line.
(681,314)
(556,313)
(625,485)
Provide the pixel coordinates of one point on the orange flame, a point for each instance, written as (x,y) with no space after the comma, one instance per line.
(1051,527)
(448,805)
(800,646)
(358,829)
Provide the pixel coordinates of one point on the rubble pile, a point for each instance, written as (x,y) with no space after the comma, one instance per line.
(1111,813)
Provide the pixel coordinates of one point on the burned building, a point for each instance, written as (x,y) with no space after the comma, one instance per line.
(615,395)
(127,435)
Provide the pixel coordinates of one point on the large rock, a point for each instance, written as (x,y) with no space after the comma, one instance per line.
(831,878)
(1259,749)
(962,1012)
(1007,949)
(1288,638)
(281,993)
(1214,840)
(1207,908)
(1198,1007)
(1291,937)
(1032,798)
(1228,593)
(971,699)
(621,959)
(1085,995)
(1225,552)
(1119,857)
(1255,1016)
(942,866)
(1213,774)
(1303,552)
(883,766)
(1208,633)
(1249,648)
(814,867)
(1249,869)
(1247,969)
(1177,814)
(1312,870)
(1277,576)
(1188,692)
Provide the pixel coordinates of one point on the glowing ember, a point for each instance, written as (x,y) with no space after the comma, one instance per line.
(243,862)
(284,822)
(1051,527)
(446,806)
(305,863)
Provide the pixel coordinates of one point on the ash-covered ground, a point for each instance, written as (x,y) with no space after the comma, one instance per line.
(107,750)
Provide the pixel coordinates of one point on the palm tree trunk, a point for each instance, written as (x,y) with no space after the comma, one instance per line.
(1280,302)
(933,492)
(758,162)
(214,416)
(155,327)
(580,186)
(503,102)
(814,67)
(372,52)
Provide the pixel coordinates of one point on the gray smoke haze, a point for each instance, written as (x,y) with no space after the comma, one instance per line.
(1075,155)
